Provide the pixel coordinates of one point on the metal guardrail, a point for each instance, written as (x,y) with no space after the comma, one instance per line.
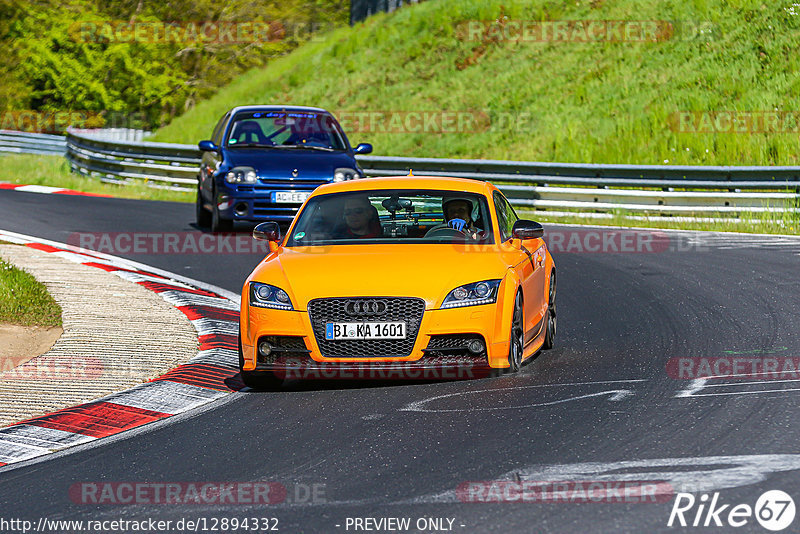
(361,9)
(162,165)
(116,134)
(12,142)
(668,189)
(583,187)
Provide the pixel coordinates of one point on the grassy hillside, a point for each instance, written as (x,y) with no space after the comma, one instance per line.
(558,101)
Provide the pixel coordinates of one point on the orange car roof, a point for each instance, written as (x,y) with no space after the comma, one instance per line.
(443,183)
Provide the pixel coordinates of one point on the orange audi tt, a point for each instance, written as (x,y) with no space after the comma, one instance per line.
(403,277)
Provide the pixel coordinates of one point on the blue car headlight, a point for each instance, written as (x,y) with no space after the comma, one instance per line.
(343,174)
(267,296)
(473,294)
(241,175)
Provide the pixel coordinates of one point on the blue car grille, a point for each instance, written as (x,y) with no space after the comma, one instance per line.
(267,208)
(281,185)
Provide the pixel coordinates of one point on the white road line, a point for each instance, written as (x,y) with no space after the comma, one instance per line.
(759,383)
(15,237)
(696,385)
(615,395)
(224,357)
(24,442)
(165,396)
(213,326)
(139,277)
(710,473)
(38,436)
(181,298)
(39,189)
(749,392)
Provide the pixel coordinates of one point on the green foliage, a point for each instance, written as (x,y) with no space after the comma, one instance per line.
(613,102)
(75,56)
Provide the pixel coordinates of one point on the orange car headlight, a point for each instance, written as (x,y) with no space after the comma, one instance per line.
(267,296)
(474,294)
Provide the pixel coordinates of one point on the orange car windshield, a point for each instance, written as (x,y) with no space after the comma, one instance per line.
(393,216)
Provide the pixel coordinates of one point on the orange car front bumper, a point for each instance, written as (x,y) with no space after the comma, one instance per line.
(483,320)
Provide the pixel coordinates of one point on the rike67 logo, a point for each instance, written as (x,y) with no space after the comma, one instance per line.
(774,510)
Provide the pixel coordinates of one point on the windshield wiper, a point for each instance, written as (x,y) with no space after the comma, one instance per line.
(251,145)
(307,147)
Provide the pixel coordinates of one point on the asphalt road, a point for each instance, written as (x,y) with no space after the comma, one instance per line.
(602,406)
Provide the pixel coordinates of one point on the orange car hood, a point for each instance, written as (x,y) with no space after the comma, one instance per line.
(427,271)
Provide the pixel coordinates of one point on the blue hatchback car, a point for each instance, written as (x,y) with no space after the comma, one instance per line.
(262,162)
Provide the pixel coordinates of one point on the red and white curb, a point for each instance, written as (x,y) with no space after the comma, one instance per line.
(209,376)
(48,190)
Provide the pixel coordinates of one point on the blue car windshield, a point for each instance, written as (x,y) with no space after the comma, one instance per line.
(285,129)
(393,216)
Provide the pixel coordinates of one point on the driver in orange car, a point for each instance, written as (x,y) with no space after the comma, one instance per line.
(457,213)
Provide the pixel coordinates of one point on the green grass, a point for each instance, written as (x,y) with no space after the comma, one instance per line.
(24,301)
(758,223)
(54,171)
(606,102)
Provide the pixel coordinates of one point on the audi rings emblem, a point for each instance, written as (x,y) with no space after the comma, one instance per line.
(366,307)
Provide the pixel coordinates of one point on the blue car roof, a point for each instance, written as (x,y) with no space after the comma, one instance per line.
(237,109)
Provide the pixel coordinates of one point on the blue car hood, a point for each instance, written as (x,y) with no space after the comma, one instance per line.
(279,163)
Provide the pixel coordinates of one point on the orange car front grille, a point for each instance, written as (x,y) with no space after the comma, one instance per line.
(334,310)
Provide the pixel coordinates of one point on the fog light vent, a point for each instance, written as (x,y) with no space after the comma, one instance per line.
(475,346)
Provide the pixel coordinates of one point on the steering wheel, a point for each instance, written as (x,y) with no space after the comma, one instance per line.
(448,232)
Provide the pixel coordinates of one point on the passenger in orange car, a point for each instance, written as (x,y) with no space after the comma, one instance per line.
(360,218)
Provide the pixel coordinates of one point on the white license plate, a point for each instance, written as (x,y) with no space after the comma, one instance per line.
(357,331)
(289,197)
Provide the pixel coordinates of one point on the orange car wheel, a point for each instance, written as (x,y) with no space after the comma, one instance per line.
(549,337)
(517,336)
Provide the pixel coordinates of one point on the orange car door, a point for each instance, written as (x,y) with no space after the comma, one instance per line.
(530,268)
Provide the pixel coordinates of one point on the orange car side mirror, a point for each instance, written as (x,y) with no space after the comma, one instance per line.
(268,231)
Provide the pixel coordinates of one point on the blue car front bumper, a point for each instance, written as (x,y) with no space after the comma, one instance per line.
(257,202)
